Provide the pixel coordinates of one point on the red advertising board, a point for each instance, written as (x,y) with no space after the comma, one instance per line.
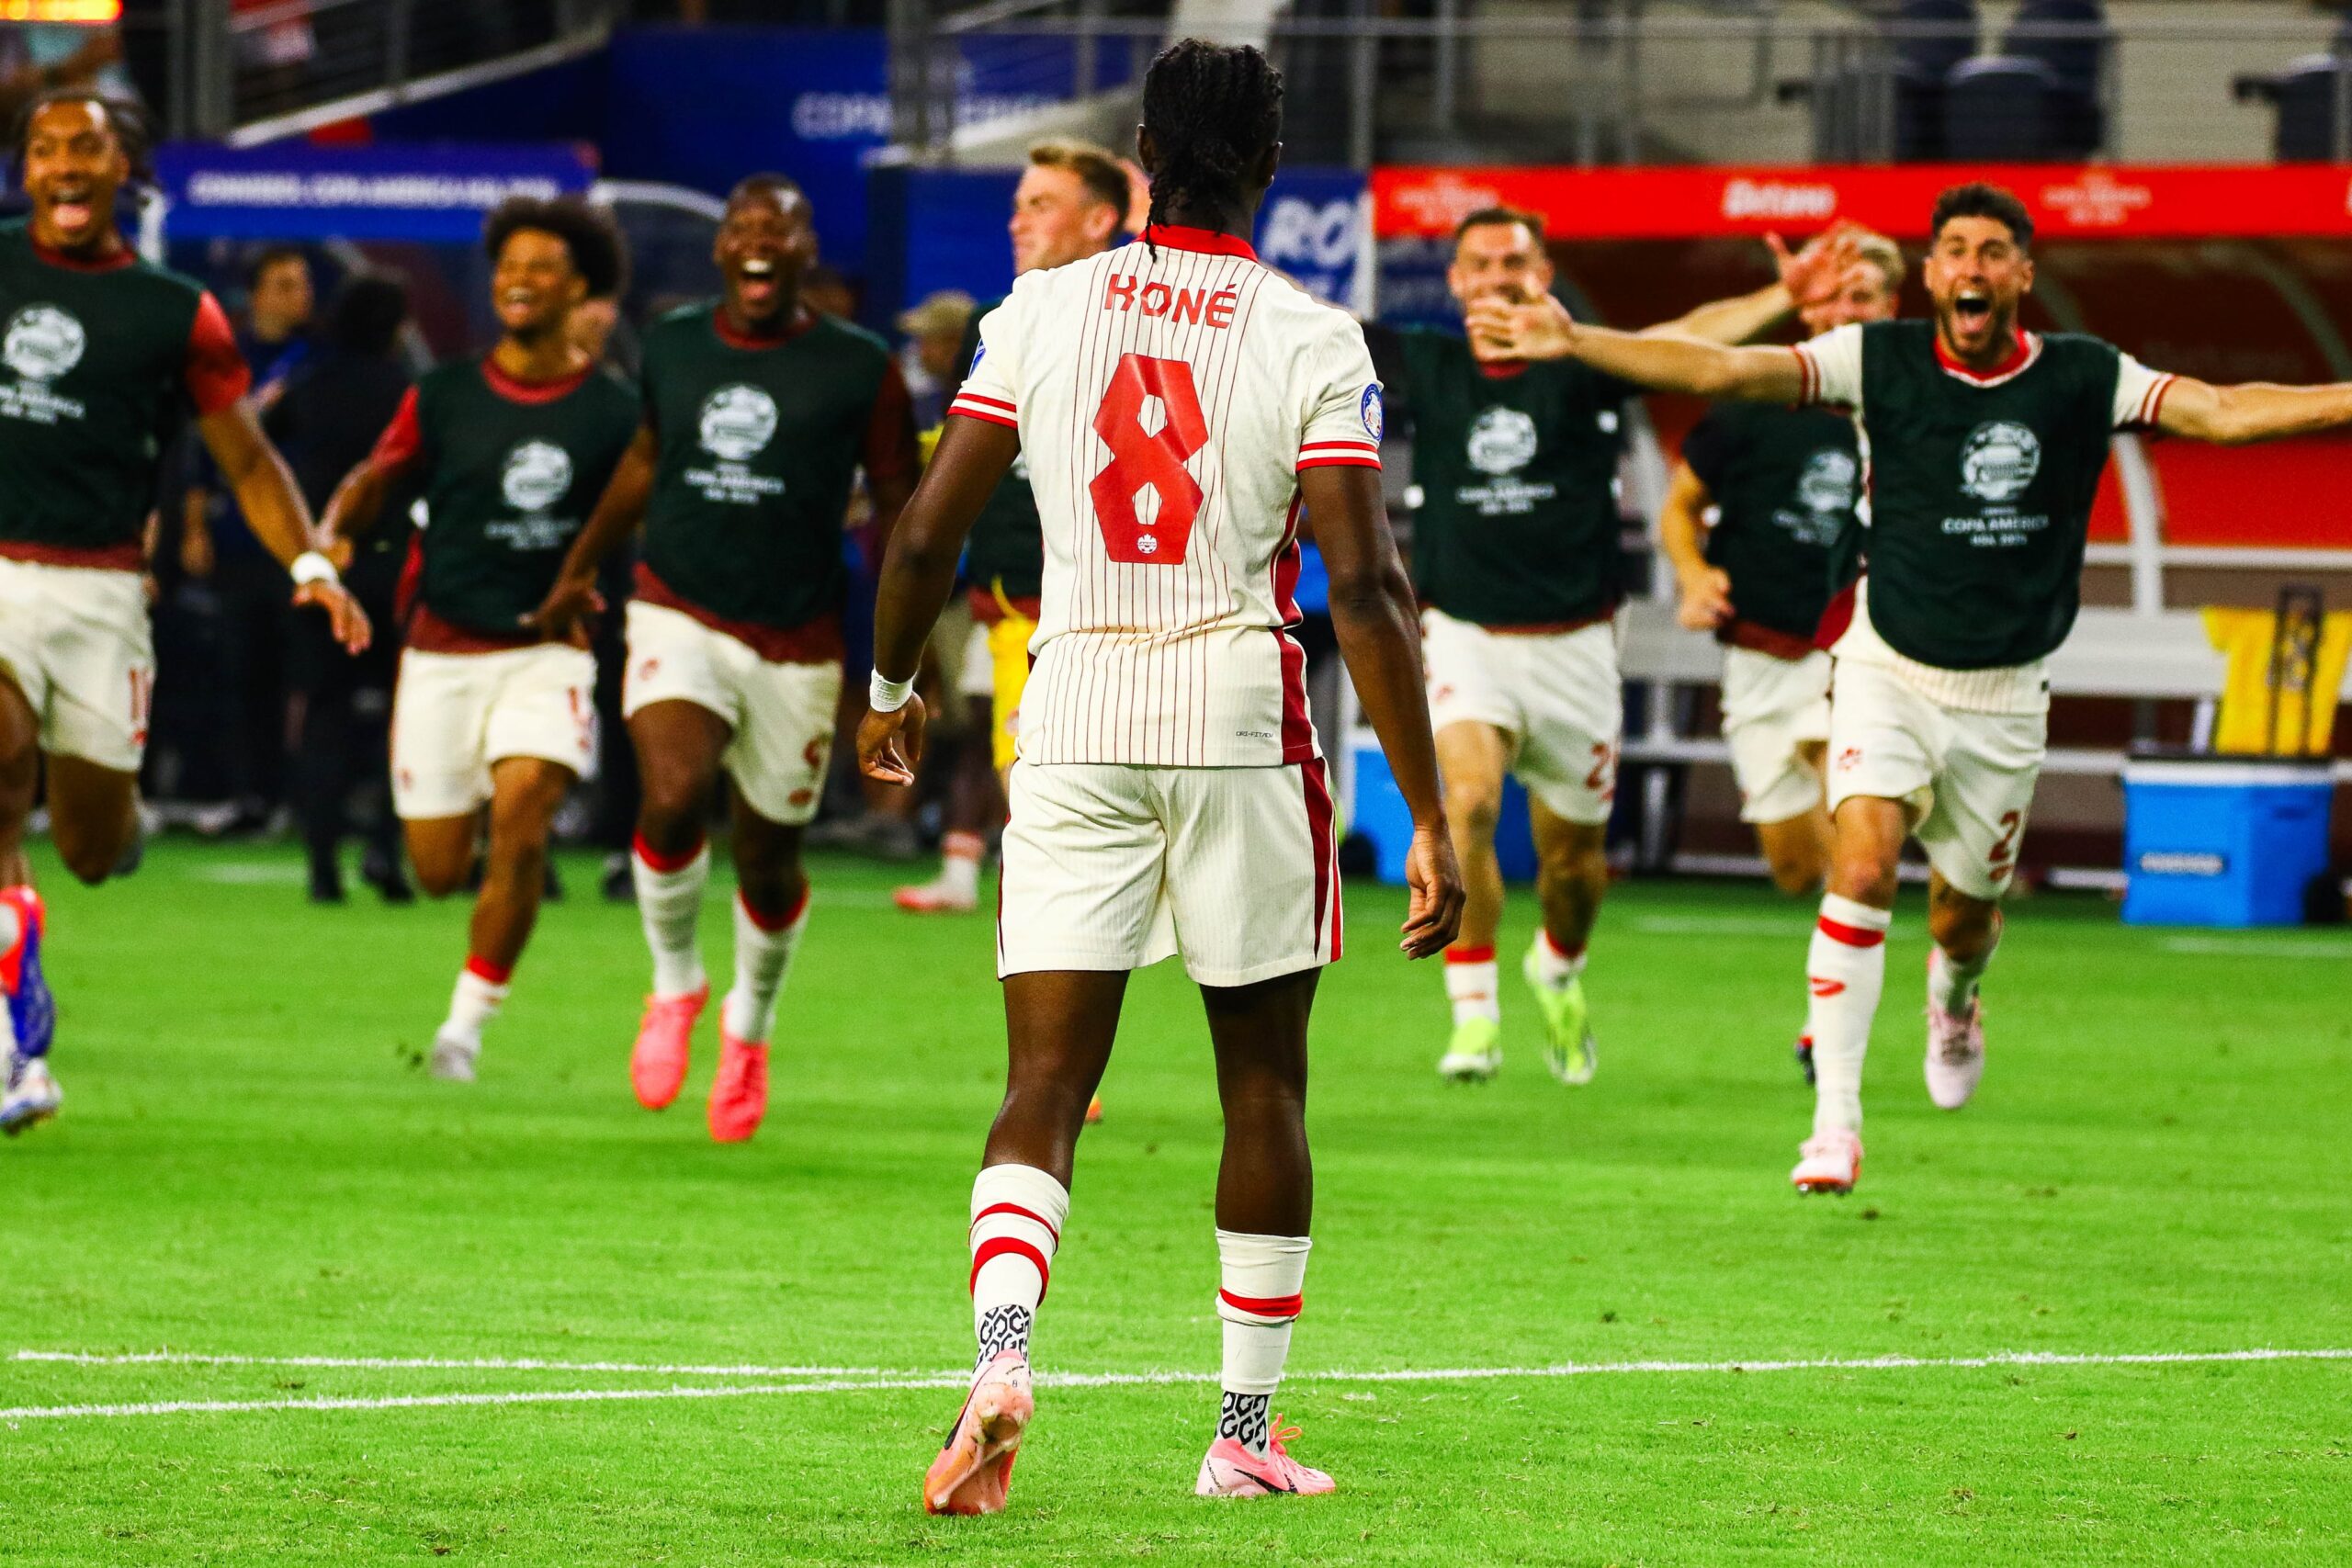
(2067,201)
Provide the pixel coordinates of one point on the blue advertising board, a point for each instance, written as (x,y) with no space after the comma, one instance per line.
(296,191)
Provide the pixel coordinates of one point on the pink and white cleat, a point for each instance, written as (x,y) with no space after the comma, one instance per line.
(936,898)
(1955,1054)
(1828,1162)
(1229,1470)
(738,1095)
(974,1471)
(657,1065)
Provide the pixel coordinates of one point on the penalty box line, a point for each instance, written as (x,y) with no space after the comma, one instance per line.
(1058,1379)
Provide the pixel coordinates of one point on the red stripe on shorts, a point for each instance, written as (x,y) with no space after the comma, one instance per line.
(1318,828)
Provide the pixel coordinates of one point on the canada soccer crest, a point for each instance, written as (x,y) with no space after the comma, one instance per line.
(737,422)
(1502,441)
(1998,460)
(1370,408)
(42,343)
(536,475)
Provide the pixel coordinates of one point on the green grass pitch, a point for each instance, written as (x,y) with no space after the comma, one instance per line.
(250,1165)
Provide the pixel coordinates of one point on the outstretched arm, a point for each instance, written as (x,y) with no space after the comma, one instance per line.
(1371,612)
(1661,362)
(272,507)
(2251,411)
(918,574)
(1808,276)
(621,508)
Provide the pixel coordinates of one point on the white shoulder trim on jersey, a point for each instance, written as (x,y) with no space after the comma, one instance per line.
(1338,453)
(2152,401)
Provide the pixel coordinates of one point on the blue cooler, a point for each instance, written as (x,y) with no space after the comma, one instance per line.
(2224,841)
(1379,815)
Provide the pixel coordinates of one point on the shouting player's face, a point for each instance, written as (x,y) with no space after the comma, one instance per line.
(1056,219)
(765,243)
(73,166)
(1499,261)
(1977,274)
(535,285)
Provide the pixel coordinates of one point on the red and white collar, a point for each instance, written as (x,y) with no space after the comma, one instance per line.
(2021,356)
(1208,241)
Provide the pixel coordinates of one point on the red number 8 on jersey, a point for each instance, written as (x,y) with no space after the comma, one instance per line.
(1153,460)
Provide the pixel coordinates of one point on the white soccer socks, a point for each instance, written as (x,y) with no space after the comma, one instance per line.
(1471,982)
(481,991)
(763,950)
(1260,1280)
(959,864)
(1551,964)
(669,898)
(1846,971)
(1951,985)
(1017,1214)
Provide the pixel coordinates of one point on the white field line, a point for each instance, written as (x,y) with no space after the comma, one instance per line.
(452,1363)
(1130,1380)
(2255,947)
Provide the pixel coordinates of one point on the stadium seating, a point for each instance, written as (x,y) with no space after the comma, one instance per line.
(2311,95)
(1997,109)
(2073,116)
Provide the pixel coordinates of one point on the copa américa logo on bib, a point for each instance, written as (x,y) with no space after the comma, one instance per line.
(42,343)
(1370,409)
(536,475)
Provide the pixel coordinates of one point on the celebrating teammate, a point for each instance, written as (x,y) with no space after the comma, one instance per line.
(514,447)
(1514,555)
(102,355)
(1985,444)
(1068,206)
(758,414)
(1177,403)
(1782,483)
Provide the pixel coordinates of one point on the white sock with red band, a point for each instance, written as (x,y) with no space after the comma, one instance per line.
(1846,971)
(668,900)
(764,951)
(1017,1214)
(1951,985)
(960,863)
(1471,980)
(1260,1281)
(481,988)
(1555,966)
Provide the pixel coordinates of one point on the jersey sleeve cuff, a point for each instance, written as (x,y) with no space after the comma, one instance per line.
(995,410)
(1339,455)
(1808,378)
(2152,401)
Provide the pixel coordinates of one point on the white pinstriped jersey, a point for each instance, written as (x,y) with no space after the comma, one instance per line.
(1167,394)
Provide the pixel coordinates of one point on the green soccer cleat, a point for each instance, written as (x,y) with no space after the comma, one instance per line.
(1474,1054)
(1569,1050)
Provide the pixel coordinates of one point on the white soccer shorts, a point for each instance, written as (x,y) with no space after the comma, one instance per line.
(1772,708)
(1111,866)
(454,715)
(1966,779)
(782,715)
(1555,694)
(75,640)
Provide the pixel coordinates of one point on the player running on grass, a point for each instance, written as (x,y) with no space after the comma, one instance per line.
(1782,483)
(102,356)
(1515,551)
(1984,445)
(757,415)
(1070,204)
(1179,402)
(512,447)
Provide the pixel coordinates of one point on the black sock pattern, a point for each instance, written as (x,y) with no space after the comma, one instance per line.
(1243,1418)
(1005,1328)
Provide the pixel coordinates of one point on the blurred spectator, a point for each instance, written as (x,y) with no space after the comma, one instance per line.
(824,290)
(35,56)
(227,577)
(935,331)
(329,418)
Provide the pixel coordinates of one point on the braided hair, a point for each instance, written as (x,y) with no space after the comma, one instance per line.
(1212,110)
(598,252)
(132,127)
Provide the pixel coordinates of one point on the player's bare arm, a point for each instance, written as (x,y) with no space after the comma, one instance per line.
(918,574)
(264,490)
(618,512)
(1543,329)
(2251,411)
(1373,614)
(1681,533)
(1808,276)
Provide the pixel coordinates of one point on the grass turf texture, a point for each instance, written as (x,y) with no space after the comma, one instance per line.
(249,1163)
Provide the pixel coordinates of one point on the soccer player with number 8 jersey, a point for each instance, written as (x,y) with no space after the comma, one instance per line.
(1983,444)
(514,447)
(1180,405)
(102,356)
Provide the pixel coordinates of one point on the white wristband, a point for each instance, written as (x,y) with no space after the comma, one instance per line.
(312,567)
(885,695)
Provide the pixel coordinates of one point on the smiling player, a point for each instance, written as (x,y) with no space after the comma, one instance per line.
(1984,444)
(758,415)
(513,446)
(102,356)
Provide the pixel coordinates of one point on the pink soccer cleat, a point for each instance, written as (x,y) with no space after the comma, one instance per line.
(1828,1162)
(657,1067)
(974,1471)
(1955,1050)
(738,1095)
(1229,1470)
(935,898)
